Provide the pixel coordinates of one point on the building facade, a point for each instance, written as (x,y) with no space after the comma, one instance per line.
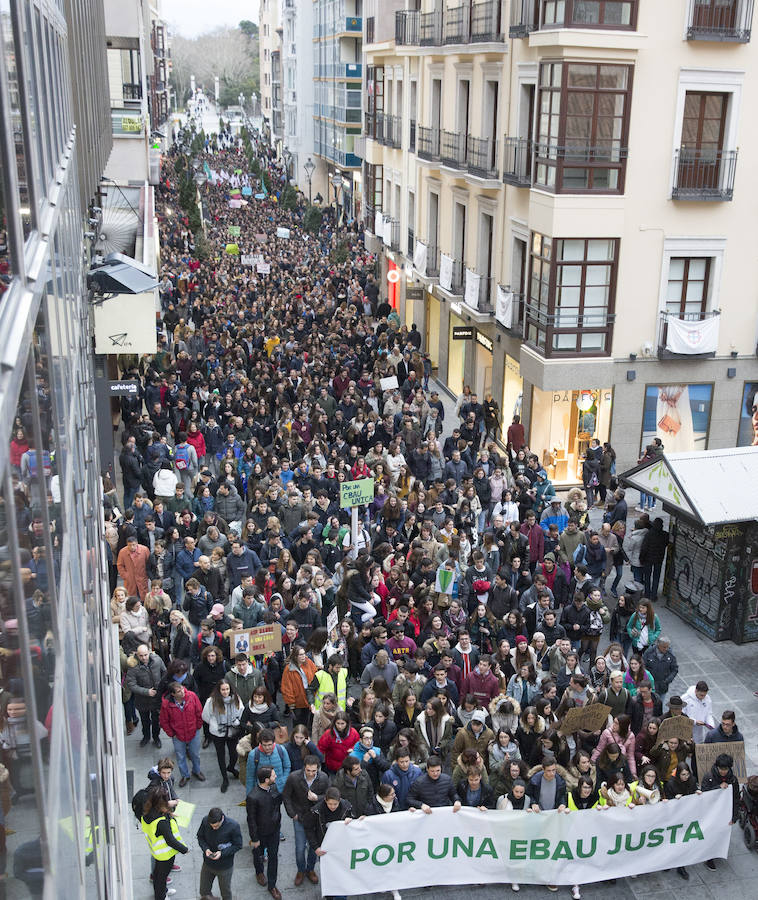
(270,55)
(297,86)
(566,188)
(60,664)
(337,74)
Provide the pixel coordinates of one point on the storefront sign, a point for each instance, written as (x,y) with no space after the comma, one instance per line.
(356,493)
(410,849)
(123,388)
(484,341)
(463,332)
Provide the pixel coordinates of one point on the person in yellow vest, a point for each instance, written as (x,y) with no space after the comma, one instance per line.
(332,680)
(163,838)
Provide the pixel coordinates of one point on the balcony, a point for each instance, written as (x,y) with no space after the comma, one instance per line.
(412,136)
(388,130)
(514,322)
(353,70)
(456,25)
(704,175)
(453,149)
(481,156)
(567,332)
(486,22)
(131,92)
(525,17)
(391,233)
(478,299)
(727,21)
(517,161)
(688,335)
(432,261)
(407,23)
(428,146)
(430,29)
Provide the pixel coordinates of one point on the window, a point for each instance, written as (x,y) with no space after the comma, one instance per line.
(583,127)
(590,13)
(572,289)
(688,280)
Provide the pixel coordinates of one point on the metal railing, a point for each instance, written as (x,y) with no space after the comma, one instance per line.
(430,29)
(407,23)
(459,272)
(481,156)
(453,149)
(486,22)
(569,319)
(730,22)
(704,174)
(517,315)
(131,91)
(412,136)
(370,29)
(428,146)
(432,261)
(457,23)
(411,243)
(486,285)
(517,161)
(391,129)
(525,17)
(582,153)
(394,233)
(665,317)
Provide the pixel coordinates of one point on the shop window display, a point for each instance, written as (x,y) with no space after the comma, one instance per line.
(678,414)
(563,424)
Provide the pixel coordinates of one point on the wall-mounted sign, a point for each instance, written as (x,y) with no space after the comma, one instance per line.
(484,341)
(123,388)
(463,332)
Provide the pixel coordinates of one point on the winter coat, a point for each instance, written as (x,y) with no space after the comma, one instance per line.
(295,794)
(335,749)
(445,734)
(226,724)
(487,797)
(713,781)
(636,624)
(467,740)
(663,668)
(230,507)
(164,483)
(627,747)
(654,544)
(197,606)
(484,687)
(501,719)
(389,673)
(292,687)
(561,794)
(633,544)
(699,711)
(434,793)
(264,811)
(357,794)
(249,615)
(182,722)
(279,760)
(637,711)
(401,781)
(141,678)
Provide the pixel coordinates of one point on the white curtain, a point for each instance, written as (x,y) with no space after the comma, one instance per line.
(504,307)
(419,258)
(471,296)
(446,271)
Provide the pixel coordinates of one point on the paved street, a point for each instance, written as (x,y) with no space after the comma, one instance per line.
(730,670)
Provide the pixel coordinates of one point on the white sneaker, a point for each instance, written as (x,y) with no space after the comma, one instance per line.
(515,887)
(552,887)
(575,892)
(170,892)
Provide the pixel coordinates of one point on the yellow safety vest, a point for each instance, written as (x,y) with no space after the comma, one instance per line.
(326,686)
(158,846)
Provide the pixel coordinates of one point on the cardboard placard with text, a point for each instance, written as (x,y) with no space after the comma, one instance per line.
(706,757)
(675,726)
(255,641)
(585,718)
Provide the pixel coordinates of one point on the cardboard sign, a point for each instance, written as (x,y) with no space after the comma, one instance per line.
(247,192)
(706,757)
(183,813)
(675,726)
(283,233)
(263,268)
(356,493)
(389,383)
(585,718)
(255,641)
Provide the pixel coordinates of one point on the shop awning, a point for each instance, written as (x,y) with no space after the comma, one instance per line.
(713,487)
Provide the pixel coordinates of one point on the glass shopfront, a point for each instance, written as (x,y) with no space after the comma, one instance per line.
(513,388)
(483,375)
(432,327)
(456,356)
(563,423)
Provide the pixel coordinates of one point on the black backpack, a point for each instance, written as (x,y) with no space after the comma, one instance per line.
(138,802)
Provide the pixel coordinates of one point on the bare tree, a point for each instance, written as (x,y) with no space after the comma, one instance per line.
(225,52)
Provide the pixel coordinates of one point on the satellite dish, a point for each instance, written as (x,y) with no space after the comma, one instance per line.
(117,232)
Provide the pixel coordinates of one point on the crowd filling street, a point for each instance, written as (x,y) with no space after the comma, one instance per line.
(447,652)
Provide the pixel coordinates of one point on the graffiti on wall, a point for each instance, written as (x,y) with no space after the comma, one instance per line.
(697,581)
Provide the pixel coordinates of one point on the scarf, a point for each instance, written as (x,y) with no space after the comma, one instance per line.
(432,732)
(386,805)
(259,708)
(294,668)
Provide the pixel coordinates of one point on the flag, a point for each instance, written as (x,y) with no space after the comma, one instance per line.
(444,581)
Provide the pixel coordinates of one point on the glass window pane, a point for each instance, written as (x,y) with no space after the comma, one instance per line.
(596,296)
(676,270)
(694,291)
(600,250)
(613,77)
(570,276)
(582,76)
(564,341)
(593,341)
(569,297)
(696,269)
(572,250)
(598,275)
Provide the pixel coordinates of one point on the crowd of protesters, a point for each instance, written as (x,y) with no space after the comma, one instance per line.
(474,607)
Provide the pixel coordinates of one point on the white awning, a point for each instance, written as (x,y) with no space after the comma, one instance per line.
(714,487)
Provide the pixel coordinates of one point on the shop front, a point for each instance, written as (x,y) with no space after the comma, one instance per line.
(513,392)
(563,422)
(483,362)
(459,338)
(432,328)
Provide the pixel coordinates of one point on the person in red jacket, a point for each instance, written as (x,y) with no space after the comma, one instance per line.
(182,720)
(536,538)
(482,683)
(337,742)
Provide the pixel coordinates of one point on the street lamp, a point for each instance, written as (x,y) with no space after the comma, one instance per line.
(336,181)
(310,167)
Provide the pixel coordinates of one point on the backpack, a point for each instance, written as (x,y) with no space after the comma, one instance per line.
(181,457)
(138,803)
(33,463)
(593,482)
(580,554)
(257,755)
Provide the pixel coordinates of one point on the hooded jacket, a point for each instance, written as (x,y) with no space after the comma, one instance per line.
(231,506)
(245,684)
(401,781)
(467,740)
(181,722)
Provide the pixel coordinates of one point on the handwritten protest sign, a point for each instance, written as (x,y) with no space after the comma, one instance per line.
(675,726)
(356,493)
(706,757)
(585,718)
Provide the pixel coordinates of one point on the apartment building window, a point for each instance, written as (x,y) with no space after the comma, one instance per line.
(688,282)
(590,13)
(572,288)
(720,20)
(583,127)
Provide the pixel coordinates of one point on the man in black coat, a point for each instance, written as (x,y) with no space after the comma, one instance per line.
(433,789)
(303,789)
(220,838)
(264,821)
(131,470)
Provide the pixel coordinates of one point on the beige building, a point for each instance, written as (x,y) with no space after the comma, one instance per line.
(573,180)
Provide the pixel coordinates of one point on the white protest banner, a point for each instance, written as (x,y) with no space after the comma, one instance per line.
(388,383)
(378,224)
(446,271)
(692,337)
(419,258)
(263,268)
(471,297)
(283,233)
(504,307)
(247,259)
(410,850)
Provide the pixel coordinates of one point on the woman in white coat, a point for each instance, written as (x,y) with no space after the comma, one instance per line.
(222,713)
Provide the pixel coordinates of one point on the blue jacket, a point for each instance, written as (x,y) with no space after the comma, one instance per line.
(247,563)
(401,781)
(279,761)
(185,562)
(549,517)
(535,783)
